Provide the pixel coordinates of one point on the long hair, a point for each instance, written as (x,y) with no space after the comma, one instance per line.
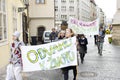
(59,34)
(72,33)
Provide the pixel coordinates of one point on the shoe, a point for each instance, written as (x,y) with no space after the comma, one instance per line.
(100,54)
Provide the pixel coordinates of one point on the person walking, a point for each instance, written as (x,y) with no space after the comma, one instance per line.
(15,58)
(69,33)
(53,35)
(100,40)
(83,47)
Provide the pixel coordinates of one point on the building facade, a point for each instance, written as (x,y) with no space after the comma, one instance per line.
(116,26)
(93,10)
(64,9)
(10,21)
(41,14)
(101,16)
(84,10)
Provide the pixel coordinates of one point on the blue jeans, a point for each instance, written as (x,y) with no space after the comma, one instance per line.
(100,47)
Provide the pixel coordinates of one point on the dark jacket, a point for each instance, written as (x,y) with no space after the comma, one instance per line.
(83,44)
(53,36)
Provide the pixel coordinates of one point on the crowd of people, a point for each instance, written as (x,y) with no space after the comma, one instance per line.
(81,45)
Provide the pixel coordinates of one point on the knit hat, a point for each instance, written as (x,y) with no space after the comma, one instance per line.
(16,34)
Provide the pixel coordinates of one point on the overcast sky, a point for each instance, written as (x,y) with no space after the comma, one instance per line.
(108,6)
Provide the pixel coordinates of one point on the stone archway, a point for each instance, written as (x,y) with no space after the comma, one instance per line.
(40,31)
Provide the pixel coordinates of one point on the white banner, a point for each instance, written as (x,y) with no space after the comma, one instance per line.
(49,56)
(86,28)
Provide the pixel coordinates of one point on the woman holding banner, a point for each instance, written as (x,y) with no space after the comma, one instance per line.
(69,33)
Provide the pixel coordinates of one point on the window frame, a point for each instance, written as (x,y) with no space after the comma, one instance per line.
(4,25)
(63,17)
(63,1)
(71,1)
(39,2)
(63,8)
(3,12)
(56,8)
(71,8)
(14,18)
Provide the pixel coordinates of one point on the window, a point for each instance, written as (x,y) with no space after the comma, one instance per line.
(56,17)
(56,8)
(3,26)
(71,8)
(72,16)
(63,8)
(63,1)
(63,17)
(40,1)
(47,34)
(56,0)
(71,1)
(14,18)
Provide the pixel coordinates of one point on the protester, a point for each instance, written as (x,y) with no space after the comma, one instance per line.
(69,33)
(15,59)
(83,47)
(100,40)
(61,34)
(53,35)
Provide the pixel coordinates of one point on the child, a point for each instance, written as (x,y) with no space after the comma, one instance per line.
(16,56)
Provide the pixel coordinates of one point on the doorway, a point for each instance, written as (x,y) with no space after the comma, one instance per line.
(40,32)
(24,25)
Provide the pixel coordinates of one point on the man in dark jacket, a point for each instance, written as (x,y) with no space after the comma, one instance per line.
(53,35)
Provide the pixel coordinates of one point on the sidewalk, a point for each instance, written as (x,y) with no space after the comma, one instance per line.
(95,67)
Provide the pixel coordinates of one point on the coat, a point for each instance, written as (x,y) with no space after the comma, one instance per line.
(83,45)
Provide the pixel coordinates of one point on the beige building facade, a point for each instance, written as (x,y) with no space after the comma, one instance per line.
(41,14)
(10,21)
(116,25)
(93,10)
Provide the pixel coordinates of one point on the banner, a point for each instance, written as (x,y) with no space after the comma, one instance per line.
(49,56)
(86,28)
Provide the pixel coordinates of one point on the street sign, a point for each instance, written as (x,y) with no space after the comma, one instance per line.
(20,9)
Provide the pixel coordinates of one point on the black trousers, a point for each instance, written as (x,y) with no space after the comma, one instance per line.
(82,55)
(66,70)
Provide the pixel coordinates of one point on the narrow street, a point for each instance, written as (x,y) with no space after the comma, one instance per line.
(95,67)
